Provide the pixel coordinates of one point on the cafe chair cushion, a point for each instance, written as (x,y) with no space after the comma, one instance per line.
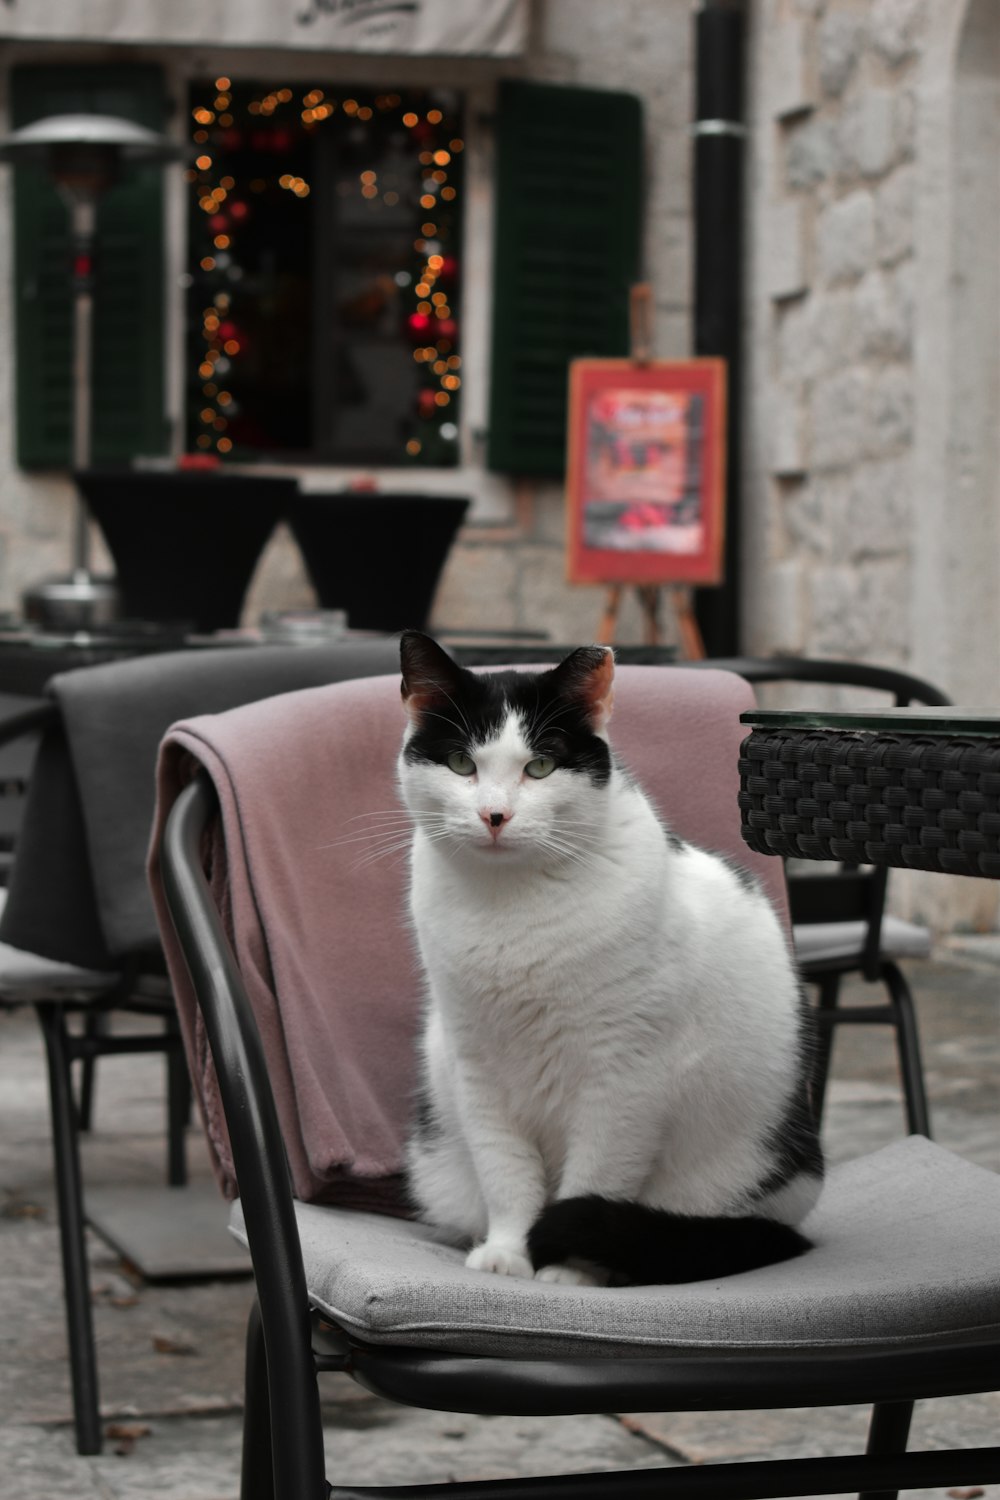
(27,978)
(819,942)
(904,1249)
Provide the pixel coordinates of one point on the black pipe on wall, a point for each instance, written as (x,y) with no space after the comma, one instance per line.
(719,135)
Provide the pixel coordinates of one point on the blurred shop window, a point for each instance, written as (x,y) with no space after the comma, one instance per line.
(568,215)
(128,415)
(324,273)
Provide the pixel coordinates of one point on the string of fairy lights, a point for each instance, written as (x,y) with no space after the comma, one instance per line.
(272,126)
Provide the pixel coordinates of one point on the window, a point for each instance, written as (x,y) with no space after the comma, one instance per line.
(323,308)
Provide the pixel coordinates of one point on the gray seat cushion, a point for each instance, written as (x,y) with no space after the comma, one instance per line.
(823,941)
(906,1246)
(26,978)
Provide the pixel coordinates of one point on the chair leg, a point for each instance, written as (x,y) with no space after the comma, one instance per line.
(887,1433)
(178,1106)
(257,1475)
(829,993)
(95,1025)
(908,1045)
(76,1280)
(273,1409)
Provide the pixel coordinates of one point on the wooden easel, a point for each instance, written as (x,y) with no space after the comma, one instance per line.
(650,595)
(681,598)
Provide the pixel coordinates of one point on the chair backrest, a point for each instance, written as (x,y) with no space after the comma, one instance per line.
(78,890)
(847,893)
(319,927)
(185,544)
(377,556)
(22,719)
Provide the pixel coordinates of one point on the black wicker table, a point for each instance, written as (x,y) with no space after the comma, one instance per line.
(914,788)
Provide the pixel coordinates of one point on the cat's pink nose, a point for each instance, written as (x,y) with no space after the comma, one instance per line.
(495,820)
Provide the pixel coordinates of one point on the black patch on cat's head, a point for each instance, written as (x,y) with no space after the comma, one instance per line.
(452,708)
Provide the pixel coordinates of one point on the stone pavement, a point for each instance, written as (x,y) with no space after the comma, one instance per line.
(170,1356)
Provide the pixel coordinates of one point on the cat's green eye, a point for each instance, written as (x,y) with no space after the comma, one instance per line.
(461,764)
(542,765)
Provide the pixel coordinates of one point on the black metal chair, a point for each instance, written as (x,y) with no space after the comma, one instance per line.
(185,543)
(78,938)
(840,925)
(377,556)
(379,1299)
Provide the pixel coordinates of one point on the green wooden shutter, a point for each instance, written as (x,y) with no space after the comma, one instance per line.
(128,416)
(567,251)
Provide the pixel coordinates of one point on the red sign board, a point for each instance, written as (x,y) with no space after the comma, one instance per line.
(645,479)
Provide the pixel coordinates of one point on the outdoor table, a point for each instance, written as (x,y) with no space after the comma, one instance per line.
(29,656)
(911,788)
(185,543)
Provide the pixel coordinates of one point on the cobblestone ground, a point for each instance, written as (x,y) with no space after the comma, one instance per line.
(170,1356)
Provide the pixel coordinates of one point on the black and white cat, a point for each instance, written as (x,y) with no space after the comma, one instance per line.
(615,1048)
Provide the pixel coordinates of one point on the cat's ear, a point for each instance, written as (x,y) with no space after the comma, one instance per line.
(429,674)
(587,677)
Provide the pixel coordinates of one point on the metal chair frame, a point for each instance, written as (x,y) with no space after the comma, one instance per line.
(63,1047)
(139,983)
(289,1344)
(852,892)
(72,1113)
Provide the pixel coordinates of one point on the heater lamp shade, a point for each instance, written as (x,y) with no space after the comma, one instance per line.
(42,140)
(84,153)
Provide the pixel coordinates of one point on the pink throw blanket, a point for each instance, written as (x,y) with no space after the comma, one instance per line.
(319,927)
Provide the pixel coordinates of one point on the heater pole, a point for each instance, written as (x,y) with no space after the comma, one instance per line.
(719,146)
(83,215)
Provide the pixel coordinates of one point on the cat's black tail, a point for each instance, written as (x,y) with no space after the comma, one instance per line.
(643,1246)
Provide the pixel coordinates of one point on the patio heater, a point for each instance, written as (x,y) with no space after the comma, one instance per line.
(83,156)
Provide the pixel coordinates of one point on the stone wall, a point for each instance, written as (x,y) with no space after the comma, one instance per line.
(871,502)
(832,347)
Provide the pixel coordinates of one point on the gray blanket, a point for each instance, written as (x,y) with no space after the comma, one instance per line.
(90,805)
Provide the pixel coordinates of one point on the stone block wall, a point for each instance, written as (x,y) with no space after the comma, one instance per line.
(871,498)
(832,318)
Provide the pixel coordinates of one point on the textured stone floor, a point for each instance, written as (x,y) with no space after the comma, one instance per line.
(170,1356)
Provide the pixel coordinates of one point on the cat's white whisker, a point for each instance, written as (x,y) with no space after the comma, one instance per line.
(371,833)
(379,812)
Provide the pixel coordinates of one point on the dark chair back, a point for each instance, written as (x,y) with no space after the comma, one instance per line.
(78,894)
(851,897)
(185,545)
(379,557)
(847,893)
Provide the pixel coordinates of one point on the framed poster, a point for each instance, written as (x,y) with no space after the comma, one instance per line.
(646,471)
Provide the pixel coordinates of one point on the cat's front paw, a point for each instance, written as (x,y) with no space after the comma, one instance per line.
(501,1259)
(567,1276)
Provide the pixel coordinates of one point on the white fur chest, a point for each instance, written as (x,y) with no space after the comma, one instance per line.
(521,966)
